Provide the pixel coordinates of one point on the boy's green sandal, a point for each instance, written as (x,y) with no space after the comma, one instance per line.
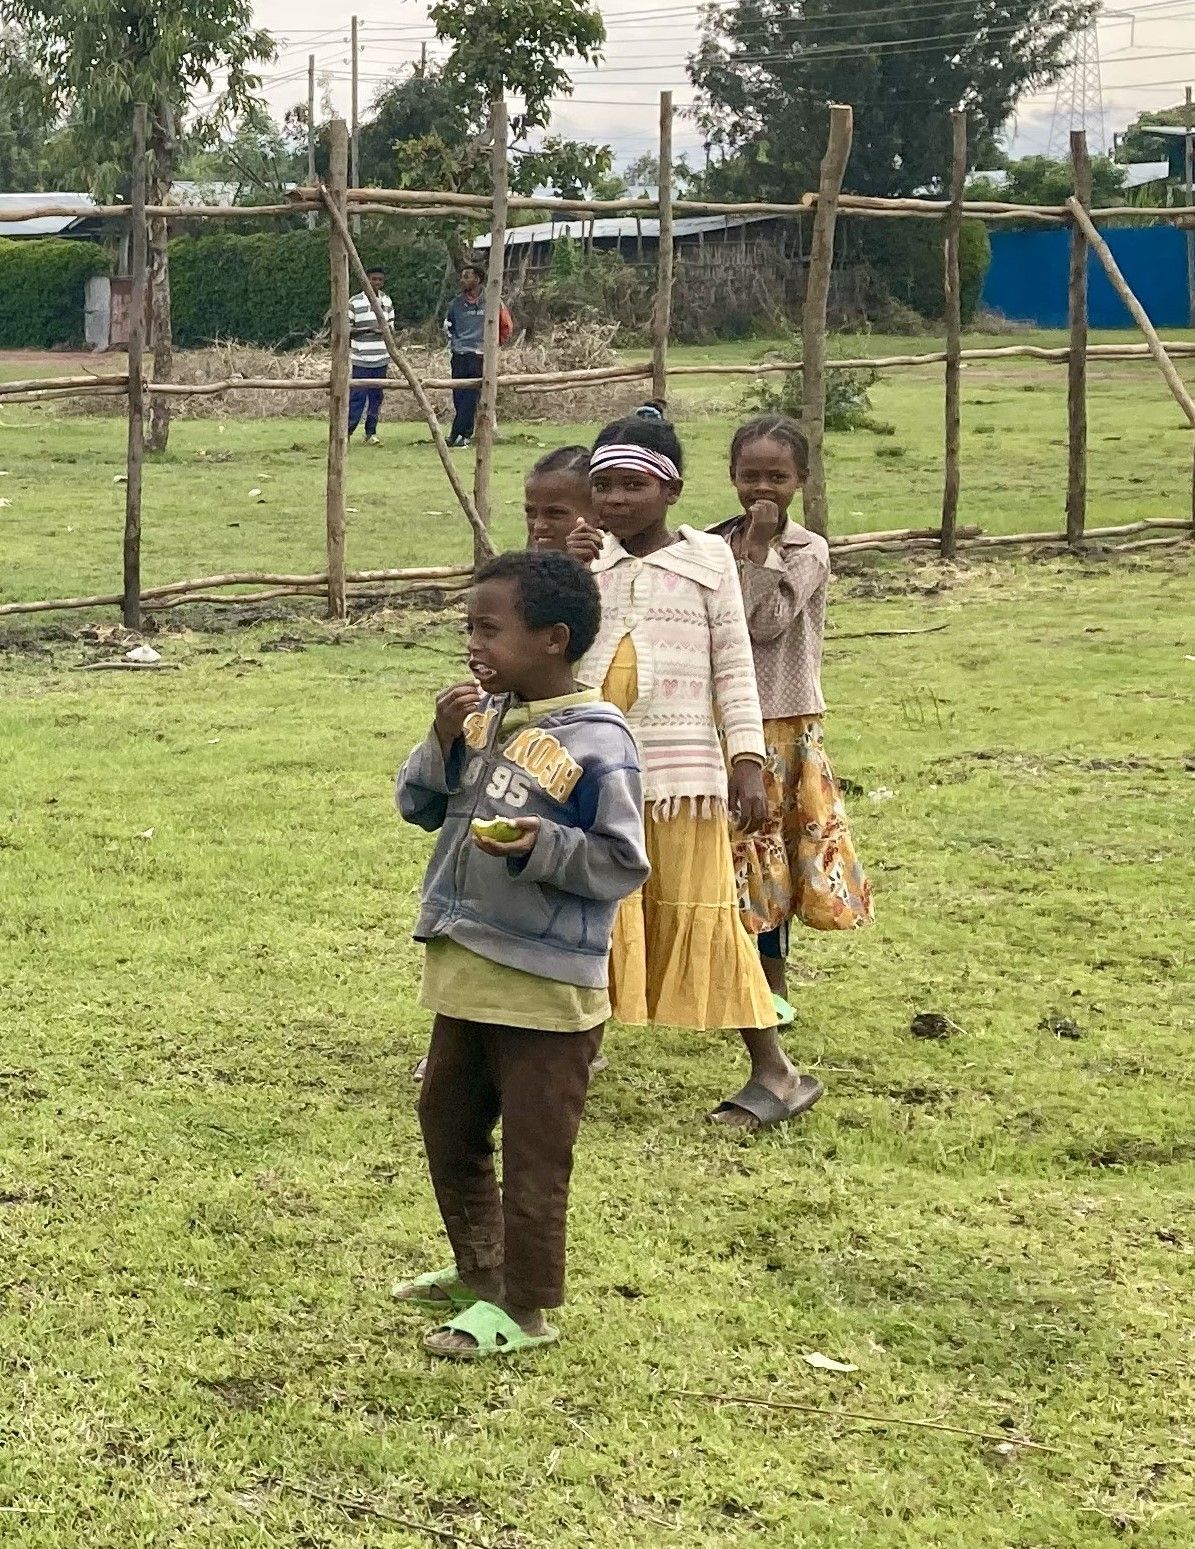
(493,1331)
(421,1292)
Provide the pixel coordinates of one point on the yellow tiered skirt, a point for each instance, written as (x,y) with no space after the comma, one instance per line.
(680,955)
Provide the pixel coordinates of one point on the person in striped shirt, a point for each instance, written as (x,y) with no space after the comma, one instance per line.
(368,356)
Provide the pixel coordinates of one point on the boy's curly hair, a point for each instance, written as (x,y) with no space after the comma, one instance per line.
(550,588)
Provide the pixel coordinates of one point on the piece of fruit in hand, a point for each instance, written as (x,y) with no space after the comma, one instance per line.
(500,830)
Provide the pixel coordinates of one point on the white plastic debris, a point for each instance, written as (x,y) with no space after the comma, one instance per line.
(146,833)
(825,1363)
(883,794)
(142,653)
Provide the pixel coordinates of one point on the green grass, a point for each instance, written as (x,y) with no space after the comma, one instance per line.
(211,1170)
(63,529)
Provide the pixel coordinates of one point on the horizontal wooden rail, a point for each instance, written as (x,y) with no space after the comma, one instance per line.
(441,205)
(31,389)
(425,573)
(451,576)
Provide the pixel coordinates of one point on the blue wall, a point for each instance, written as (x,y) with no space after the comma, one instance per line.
(1026,278)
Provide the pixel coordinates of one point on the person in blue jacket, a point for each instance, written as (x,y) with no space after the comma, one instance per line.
(516,924)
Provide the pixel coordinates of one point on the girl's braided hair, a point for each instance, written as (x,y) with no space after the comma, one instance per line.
(564,459)
(634,430)
(772,427)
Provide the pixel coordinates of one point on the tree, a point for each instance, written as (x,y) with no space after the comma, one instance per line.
(516,46)
(260,157)
(411,115)
(766,70)
(568,169)
(429,129)
(644,172)
(102,56)
(1039,180)
(28,118)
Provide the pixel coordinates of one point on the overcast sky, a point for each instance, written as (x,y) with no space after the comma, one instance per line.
(1143,61)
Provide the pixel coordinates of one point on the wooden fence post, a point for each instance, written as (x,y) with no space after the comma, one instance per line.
(1076,367)
(813,313)
(661,324)
(954,330)
(139,264)
(338,395)
(487,408)
(1187,192)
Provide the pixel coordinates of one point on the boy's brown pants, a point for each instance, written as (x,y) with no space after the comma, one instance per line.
(536,1083)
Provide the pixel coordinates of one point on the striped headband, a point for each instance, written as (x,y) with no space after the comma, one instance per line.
(640,458)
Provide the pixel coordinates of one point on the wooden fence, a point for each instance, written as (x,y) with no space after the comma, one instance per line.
(340,204)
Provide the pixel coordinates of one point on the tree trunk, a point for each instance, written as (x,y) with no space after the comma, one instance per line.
(163,146)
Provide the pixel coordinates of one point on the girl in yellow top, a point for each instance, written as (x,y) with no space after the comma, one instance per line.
(673,653)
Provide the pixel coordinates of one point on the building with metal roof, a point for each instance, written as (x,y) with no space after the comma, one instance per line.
(82,226)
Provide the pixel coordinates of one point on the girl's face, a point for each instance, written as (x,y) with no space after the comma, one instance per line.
(628,503)
(766,470)
(553,504)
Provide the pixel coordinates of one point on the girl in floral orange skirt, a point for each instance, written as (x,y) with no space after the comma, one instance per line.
(801,864)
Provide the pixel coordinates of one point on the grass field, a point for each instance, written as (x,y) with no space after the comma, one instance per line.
(62,531)
(211,1168)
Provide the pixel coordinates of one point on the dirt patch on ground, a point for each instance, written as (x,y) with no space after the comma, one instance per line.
(57,361)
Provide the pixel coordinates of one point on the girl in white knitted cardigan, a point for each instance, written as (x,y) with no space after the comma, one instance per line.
(673,653)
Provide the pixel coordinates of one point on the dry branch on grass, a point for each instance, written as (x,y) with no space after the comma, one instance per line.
(1006,1438)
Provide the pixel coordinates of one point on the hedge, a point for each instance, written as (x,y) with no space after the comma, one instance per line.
(272,288)
(907,256)
(42,284)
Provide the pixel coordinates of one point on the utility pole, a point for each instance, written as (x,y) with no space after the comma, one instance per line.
(355,145)
(311,134)
(422,60)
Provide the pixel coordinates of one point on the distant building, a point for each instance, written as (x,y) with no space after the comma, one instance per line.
(636,239)
(1137,174)
(84,226)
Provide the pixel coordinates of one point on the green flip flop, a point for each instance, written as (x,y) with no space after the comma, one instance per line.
(785,1015)
(495,1331)
(456,1297)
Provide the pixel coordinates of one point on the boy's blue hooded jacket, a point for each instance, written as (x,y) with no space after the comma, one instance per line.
(552,912)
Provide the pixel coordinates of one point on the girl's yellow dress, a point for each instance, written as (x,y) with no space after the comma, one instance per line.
(680,954)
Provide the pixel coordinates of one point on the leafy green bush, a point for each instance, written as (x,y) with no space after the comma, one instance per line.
(907,258)
(848,399)
(42,284)
(272,288)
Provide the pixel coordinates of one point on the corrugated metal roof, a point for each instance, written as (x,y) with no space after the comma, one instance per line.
(621,226)
(1163,131)
(1138,173)
(50,226)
